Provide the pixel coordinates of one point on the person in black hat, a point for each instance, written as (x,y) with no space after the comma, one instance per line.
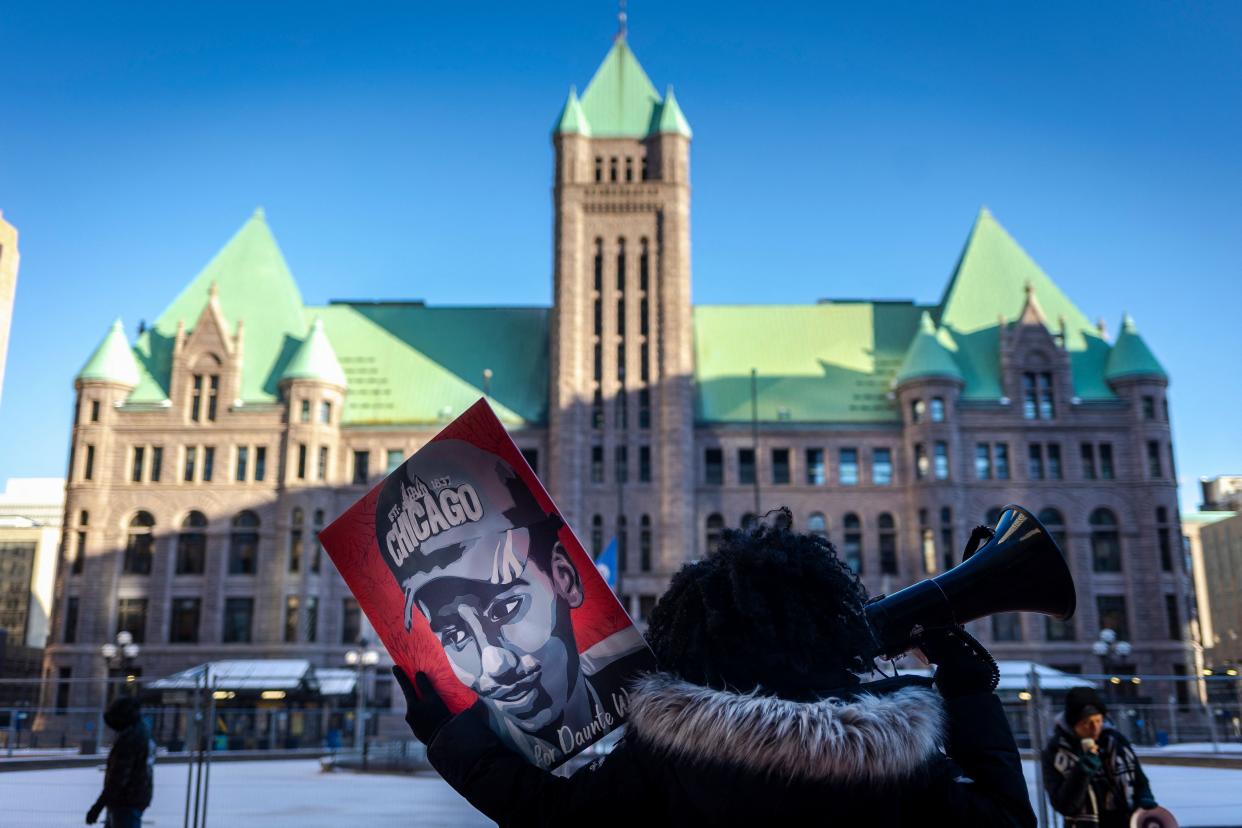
(129,779)
(1091,771)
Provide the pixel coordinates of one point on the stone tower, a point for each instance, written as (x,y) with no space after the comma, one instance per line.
(621,411)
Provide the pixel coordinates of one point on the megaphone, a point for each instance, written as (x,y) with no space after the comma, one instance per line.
(1021,569)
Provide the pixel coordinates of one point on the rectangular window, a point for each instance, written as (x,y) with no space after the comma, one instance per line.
(191,457)
(713,467)
(1106,461)
(1000,455)
(847,471)
(351,621)
(1088,462)
(238,615)
(196,398)
(941,464)
(1035,462)
(597,464)
(88,467)
(62,690)
(291,619)
(131,616)
(211,397)
(815,467)
(239,468)
(139,548)
(94,411)
(139,457)
(1154,469)
(362,471)
(1054,461)
(70,633)
(1030,403)
(531,456)
(621,465)
(191,549)
(301,461)
(888,553)
(209,463)
(1174,619)
(1007,626)
(1166,548)
(937,409)
(183,623)
(260,463)
(644,396)
(746,466)
(922,467)
(780,467)
(325,412)
(1112,614)
(1149,408)
(312,619)
(305,414)
(157,463)
(243,551)
(644,464)
(322,468)
(983,461)
(1046,408)
(395,458)
(295,548)
(1055,630)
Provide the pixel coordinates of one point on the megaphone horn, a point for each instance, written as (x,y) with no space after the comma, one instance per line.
(1020,569)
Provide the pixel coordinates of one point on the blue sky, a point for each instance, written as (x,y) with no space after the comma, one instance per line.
(401,150)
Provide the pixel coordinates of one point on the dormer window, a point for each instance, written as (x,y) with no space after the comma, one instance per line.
(203,397)
(599,169)
(1037,396)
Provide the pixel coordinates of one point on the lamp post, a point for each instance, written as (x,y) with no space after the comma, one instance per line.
(361,659)
(120,656)
(1109,649)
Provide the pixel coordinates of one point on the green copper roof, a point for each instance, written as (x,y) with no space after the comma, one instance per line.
(255,287)
(671,119)
(831,362)
(572,119)
(930,355)
(989,284)
(113,361)
(315,360)
(620,101)
(1130,356)
(410,364)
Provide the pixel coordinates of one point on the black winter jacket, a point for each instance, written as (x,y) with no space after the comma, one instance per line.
(1107,798)
(697,756)
(129,779)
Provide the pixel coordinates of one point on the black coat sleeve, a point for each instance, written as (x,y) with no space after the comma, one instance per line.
(1067,789)
(981,744)
(126,760)
(508,789)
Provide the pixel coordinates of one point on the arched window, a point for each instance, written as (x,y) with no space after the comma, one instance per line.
(597,535)
(715,529)
(623,544)
(317,556)
(192,544)
(851,527)
(1105,541)
(297,535)
(888,544)
(244,544)
(644,543)
(817,524)
(749,520)
(139,544)
(1054,522)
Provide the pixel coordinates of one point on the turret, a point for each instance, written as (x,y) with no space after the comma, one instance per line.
(313,386)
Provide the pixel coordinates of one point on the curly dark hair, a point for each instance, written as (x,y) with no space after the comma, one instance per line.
(773,610)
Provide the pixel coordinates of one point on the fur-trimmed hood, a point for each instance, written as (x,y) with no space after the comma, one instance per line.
(862,738)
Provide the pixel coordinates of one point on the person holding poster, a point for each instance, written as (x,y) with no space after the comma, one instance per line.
(760,715)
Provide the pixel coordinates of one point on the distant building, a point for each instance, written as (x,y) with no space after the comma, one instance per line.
(1216,550)
(30,518)
(1222,493)
(208,453)
(9,259)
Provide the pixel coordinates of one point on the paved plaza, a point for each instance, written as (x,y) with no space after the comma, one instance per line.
(298,795)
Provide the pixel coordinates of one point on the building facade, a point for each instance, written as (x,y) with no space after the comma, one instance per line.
(9,260)
(206,454)
(30,515)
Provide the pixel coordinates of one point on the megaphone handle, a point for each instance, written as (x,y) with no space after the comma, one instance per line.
(978,537)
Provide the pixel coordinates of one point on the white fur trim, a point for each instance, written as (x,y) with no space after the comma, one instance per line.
(865,739)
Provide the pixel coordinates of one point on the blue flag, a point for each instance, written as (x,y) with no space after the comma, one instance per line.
(606,563)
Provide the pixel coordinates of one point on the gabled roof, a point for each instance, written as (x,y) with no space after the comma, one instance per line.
(1130,356)
(990,284)
(671,119)
(113,360)
(256,287)
(315,360)
(620,101)
(930,355)
(572,119)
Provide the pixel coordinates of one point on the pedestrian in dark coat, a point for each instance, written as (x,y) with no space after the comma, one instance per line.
(129,779)
(1091,771)
(760,716)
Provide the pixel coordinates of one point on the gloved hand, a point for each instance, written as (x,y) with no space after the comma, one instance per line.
(92,816)
(1090,763)
(425,711)
(963,666)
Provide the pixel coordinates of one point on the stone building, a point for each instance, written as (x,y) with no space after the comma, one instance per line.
(30,514)
(207,453)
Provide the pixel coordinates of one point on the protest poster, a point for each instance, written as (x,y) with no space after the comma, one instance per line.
(469,574)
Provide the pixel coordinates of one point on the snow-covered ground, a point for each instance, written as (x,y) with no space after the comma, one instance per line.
(296,794)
